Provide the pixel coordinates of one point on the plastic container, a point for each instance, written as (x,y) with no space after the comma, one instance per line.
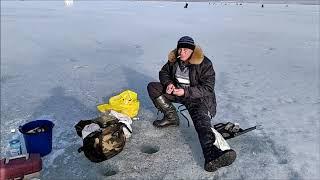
(38,136)
(26,166)
(15,143)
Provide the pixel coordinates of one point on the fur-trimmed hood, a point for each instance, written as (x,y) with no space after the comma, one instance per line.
(196,58)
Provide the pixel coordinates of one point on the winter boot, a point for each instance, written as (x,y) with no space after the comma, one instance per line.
(170,117)
(219,159)
(217,154)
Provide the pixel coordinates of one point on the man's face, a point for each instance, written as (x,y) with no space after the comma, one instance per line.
(184,53)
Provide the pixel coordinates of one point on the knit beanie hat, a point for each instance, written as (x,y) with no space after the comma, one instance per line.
(186,42)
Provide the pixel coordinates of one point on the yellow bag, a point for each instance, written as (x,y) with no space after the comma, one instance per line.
(126,103)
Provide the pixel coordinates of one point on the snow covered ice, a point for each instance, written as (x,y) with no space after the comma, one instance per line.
(58,62)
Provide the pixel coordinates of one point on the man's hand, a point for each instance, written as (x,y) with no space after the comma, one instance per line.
(170,88)
(178,92)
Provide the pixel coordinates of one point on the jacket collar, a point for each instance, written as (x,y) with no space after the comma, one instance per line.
(196,58)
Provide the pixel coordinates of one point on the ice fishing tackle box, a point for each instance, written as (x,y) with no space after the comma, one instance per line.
(25,166)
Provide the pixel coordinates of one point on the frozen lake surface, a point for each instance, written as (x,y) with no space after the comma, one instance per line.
(59,62)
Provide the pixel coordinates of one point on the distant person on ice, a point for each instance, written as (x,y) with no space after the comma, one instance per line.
(186,6)
(188,78)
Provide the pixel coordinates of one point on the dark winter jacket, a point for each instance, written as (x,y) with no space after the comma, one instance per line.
(201,74)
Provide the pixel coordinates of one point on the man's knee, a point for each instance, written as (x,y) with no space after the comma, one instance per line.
(152,86)
(214,112)
(154,89)
(199,110)
(200,117)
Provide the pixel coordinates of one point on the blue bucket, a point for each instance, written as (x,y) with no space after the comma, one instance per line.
(38,136)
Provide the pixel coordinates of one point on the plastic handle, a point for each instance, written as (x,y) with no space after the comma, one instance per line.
(20,129)
(17,157)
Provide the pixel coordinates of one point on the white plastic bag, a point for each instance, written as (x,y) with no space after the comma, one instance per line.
(220,142)
(124,119)
(89,129)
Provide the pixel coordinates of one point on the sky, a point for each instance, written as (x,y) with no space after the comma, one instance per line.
(58,62)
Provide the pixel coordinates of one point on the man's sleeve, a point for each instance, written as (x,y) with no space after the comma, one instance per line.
(164,75)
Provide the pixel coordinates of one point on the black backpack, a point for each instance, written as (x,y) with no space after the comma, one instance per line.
(105,143)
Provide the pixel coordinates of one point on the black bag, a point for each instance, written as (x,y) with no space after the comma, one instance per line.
(104,143)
